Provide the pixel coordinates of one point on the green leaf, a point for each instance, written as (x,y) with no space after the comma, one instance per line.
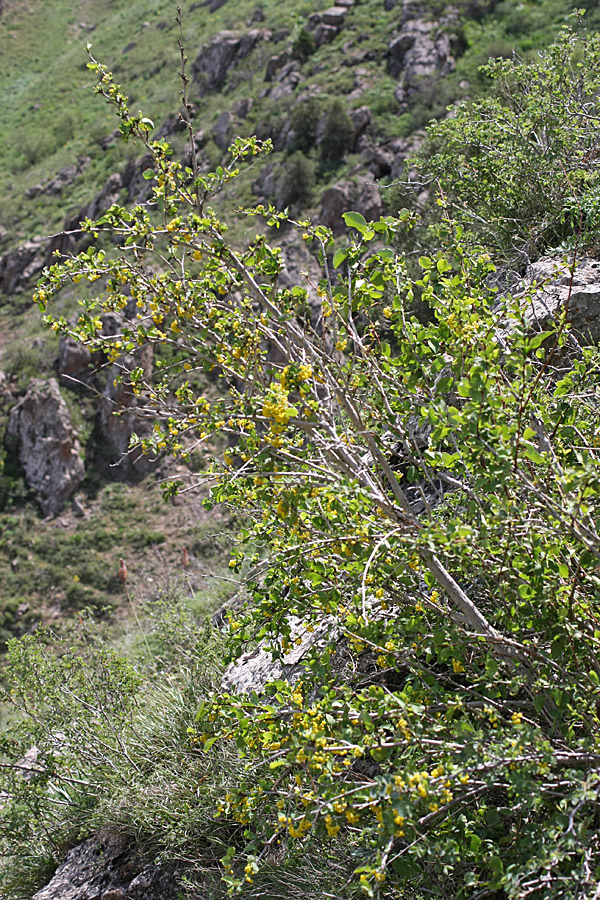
(148,174)
(339,257)
(475,843)
(355,220)
(535,457)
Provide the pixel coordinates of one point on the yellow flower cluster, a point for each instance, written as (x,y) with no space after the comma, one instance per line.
(276,406)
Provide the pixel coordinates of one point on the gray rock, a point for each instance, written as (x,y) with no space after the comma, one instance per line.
(335,201)
(378,159)
(221,130)
(558,289)
(107,868)
(22,263)
(48,448)
(243,108)
(265,185)
(361,119)
(277,62)
(335,15)
(324,34)
(288,80)
(369,201)
(73,361)
(419,53)
(121,413)
(256,668)
(222,53)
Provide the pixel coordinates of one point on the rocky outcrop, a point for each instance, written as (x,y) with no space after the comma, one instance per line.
(559,289)
(47,445)
(222,130)
(60,181)
(121,413)
(326,25)
(335,201)
(420,52)
(106,868)
(223,52)
(256,668)
(74,361)
(23,263)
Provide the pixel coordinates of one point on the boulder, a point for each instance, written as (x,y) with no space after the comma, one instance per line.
(48,448)
(419,53)
(361,119)
(378,160)
(222,53)
(288,80)
(23,263)
(265,185)
(121,413)
(277,62)
(335,15)
(256,668)
(73,361)
(243,108)
(107,868)
(335,201)
(221,130)
(324,34)
(558,289)
(369,201)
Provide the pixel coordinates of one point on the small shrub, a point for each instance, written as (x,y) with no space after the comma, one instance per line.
(304,120)
(298,181)
(304,45)
(338,137)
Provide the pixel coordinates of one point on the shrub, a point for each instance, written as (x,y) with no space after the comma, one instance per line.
(305,116)
(423,499)
(539,121)
(303,46)
(338,135)
(297,182)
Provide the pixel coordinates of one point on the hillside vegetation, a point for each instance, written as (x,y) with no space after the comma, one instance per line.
(395,459)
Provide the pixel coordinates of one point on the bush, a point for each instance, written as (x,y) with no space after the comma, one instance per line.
(303,46)
(305,116)
(298,181)
(539,122)
(338,136)
(423,499)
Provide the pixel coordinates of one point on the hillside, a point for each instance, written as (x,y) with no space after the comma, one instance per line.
(63,160)
(344,95)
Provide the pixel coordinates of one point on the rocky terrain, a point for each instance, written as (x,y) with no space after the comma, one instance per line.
(348,88)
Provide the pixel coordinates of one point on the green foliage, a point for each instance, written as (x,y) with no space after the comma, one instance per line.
(298,181)
(338,136)
(541,120)
(305,116)
(113,749)
(423,499)
(304,45)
